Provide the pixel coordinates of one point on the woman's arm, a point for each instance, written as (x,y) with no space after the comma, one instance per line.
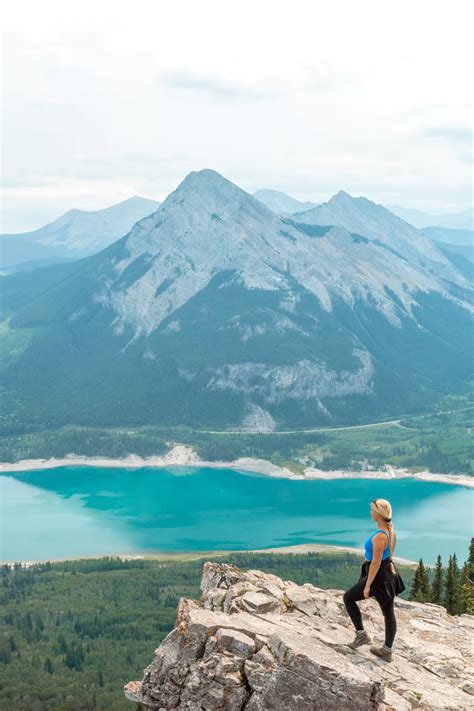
(378,545)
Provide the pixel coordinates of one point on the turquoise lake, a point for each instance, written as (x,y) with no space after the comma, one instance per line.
(77,511)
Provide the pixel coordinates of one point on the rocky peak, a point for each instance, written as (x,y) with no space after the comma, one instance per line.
(209,225)
(254,641)
(206,191)
(360,206)
(207,179)
(373,221)
(344,209)
(341,196)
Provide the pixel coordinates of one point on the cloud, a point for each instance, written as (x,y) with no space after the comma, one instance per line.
(460,139)
(462,134)
(190,84)
(116,106)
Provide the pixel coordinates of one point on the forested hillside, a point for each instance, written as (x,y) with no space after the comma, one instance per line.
(440,442)
(75,632)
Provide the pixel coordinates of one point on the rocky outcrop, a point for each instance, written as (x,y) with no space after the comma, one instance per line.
(304,380)
(254,642)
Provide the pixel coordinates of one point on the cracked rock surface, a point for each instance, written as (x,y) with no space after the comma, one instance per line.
(254,641)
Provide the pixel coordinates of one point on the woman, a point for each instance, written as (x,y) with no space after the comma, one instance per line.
(378,579)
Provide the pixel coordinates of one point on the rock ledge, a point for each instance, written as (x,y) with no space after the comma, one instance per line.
(255,642)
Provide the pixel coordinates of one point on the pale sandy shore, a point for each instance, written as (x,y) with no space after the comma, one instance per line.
(182,455)
(198,555)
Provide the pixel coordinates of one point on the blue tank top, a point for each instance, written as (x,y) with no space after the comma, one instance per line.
(369,548)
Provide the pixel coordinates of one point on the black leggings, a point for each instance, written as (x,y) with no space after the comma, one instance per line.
(354,594)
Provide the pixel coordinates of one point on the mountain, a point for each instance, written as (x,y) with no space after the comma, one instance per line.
(254,641)
(382,227)
(463,220)
(450,249)
(362,216)
(463,238)
(33,264)
(462,258)
(282,203)
(215,312)
(77,233)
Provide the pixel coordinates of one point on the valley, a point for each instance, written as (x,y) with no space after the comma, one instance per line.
(439,442)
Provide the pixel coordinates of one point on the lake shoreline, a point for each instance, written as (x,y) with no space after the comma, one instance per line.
(185,556)
(183,455)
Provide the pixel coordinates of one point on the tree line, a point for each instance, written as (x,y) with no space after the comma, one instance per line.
(451,587)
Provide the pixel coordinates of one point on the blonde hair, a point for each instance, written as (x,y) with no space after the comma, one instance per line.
(384,509)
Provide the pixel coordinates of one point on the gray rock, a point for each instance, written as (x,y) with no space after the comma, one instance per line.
(255,642)
(259,602)
(235,642)
(468,687)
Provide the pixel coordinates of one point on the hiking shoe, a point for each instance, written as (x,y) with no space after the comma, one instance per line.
(359,640)
(382,653)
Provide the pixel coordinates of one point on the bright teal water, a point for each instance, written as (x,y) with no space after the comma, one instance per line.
(82,511)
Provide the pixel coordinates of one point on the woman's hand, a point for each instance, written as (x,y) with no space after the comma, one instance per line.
(378,543)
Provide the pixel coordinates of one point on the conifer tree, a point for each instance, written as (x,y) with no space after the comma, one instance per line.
(452,596)
(436,591)
(467,582)
(420,589)
(415,585)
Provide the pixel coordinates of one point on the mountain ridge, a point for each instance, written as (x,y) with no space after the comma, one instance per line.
(213,308)
(280,202)
(74,234)
(193,204)
(464,219)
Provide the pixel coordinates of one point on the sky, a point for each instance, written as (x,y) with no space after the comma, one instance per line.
(104,100)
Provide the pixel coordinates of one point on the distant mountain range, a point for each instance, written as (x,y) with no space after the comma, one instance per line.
(213,311)
(80,233)
(461,238)
(281,202)
(76,234)
(432,225)
(463,220)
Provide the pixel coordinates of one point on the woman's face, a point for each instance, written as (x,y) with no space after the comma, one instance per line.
(373,514)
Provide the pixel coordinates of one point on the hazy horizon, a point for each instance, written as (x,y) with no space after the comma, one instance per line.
(38,219)
(102,106)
